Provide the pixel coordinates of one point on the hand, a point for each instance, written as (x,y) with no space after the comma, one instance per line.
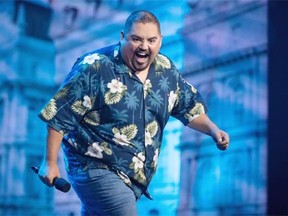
(47,173)
(221,139)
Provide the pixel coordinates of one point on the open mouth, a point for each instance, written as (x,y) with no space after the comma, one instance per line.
(141,56)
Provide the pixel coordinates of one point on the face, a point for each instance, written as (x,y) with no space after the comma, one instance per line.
(140,46)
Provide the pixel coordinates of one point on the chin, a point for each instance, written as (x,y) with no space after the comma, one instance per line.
(141,68)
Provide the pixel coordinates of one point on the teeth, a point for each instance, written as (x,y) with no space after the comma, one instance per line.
(142,54)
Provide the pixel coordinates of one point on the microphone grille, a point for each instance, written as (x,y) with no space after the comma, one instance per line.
(62,185)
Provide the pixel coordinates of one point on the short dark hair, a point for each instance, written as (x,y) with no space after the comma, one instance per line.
(141,16)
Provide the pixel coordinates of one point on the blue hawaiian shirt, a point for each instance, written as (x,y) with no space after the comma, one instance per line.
(107,114)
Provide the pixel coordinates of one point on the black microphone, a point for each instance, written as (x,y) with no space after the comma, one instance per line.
(59,183)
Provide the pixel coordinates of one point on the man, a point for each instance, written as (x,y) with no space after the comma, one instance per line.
(110,113)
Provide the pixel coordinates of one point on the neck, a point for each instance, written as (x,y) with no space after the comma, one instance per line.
(142,75)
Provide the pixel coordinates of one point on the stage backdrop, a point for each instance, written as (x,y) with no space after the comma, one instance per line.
(219,46)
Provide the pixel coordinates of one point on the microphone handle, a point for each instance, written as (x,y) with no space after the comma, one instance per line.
(59,183)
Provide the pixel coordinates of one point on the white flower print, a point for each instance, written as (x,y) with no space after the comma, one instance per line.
(195,112)
(115,86)
(95,150)
(155,158)
(124,135)
(171,100)
(90,59)
(150,131)
(116,92)
(116,51)
(121,139)
(87,102)
(147,85)
(148,139)
(138,161)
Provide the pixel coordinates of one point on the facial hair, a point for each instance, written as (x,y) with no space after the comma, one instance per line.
(141,60)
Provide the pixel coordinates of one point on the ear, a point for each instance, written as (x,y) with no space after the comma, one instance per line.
(161,37)
(122,35)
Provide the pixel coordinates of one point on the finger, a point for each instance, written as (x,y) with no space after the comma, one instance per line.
(222,146)
(47,181)
(223,143)
(224,140)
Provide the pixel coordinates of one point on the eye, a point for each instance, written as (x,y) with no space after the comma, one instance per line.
(152,41)
(134,39)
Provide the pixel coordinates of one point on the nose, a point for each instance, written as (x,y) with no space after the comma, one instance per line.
(144,45)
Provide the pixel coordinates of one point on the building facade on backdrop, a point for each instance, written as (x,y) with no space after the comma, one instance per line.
(226,54)
(220,46)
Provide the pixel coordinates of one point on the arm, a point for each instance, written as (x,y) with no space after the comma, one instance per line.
(49,168)
(203,124)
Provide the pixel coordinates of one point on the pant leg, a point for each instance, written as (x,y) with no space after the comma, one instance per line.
(102,192)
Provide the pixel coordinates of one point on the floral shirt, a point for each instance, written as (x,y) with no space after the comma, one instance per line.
(107,114)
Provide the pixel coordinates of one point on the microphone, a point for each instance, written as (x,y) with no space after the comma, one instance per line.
(59,183)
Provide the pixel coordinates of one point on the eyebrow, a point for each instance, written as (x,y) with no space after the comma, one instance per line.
(133,35)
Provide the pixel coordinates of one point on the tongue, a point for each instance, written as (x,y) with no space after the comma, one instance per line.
(141,59)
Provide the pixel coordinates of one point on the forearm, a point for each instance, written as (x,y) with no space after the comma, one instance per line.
(203,124)
(49,167)
(54,139)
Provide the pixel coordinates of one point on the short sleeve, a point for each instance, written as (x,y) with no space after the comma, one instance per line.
(190,103)
(73,99)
